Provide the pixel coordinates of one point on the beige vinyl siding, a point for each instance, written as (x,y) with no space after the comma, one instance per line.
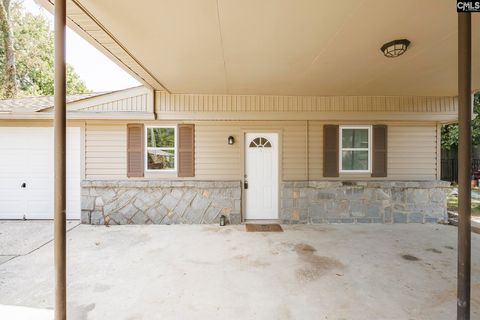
(438,157)
(315,150)
(215,159)
(412,152)
(105,151)
(294,153)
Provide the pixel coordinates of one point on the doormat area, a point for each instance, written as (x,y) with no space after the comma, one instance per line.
(250,227)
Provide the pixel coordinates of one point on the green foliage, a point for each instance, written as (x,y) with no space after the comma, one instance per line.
(450,131)
(161,137)
(34,50)
(452,205)
(449,136)
(160,159)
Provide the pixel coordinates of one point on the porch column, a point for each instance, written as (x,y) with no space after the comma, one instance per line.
(60,164)
(464,164)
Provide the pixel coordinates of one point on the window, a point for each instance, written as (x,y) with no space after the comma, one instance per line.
(260,143)
(161,147)
(355,149)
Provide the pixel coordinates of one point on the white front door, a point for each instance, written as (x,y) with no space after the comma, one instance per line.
(261,175)
(26,173)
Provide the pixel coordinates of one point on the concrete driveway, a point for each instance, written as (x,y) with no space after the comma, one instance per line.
(211,272)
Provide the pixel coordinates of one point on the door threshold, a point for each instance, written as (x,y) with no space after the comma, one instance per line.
(262,221)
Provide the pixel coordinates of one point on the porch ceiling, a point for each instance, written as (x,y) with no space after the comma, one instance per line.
(307,47)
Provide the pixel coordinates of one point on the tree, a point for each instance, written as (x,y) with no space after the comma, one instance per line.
(34,49)
(450,131)
(10,76)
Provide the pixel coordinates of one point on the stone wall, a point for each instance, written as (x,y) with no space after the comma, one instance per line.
(364,202)
(160,202)
(195,202)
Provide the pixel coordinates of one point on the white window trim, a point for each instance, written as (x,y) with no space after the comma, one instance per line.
(369,149)
(147,147)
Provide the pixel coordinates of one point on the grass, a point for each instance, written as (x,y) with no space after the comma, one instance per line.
(452,205)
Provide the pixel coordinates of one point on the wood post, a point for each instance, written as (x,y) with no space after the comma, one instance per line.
(464,164)
(60,163)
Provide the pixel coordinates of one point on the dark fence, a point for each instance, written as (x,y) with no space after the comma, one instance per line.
(450,169)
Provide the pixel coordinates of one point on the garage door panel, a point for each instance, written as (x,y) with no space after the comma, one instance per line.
(38,138)
(12,163)
(73,190)
(39,209)
(39,164)
(13,205)
(71,176)
(13,196)
(10,184)
(12,210)
(40,183)
(14,141)
(36,166)
(8,157)
(72,209)
(38,193)
(27,155)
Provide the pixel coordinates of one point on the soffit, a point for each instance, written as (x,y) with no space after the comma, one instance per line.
(270,47)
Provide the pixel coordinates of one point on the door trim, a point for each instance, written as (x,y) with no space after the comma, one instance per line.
(243,133)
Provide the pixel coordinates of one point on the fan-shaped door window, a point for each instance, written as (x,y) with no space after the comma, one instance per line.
(260,142)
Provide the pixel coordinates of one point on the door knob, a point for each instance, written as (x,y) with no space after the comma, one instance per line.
(24,185)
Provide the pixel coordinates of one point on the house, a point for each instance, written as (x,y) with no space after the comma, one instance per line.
(142,156)
(287,111)
(269,109)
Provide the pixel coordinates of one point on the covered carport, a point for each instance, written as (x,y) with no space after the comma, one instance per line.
(300,48)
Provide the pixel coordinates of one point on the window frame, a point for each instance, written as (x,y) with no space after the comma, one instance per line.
(341,149)
(175,149)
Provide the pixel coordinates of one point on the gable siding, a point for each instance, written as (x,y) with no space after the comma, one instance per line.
(187,103)
(137,103)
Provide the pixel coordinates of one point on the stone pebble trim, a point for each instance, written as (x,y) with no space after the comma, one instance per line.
(160,202)
(197,202)
(364,202)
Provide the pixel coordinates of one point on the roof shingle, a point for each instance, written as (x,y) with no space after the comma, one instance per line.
(37,104)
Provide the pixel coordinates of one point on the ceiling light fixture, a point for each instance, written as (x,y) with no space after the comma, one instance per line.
(395,48)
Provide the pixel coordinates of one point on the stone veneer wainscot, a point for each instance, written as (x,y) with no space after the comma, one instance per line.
(195,202)
(364,201)
(159,201)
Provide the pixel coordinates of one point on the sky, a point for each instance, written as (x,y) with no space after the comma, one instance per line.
(93,67)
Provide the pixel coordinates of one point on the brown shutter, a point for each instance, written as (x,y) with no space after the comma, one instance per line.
(135,146)
(379,151)
(186,150)
(330,150)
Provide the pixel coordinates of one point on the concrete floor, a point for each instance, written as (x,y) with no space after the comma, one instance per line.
(208,272)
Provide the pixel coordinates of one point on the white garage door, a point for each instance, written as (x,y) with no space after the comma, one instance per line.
(26,173)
